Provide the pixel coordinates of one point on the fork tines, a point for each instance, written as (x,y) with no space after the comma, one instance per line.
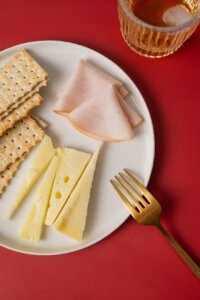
(131,191)
(146,210)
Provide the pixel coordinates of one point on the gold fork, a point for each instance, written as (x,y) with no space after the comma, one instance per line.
(146,210)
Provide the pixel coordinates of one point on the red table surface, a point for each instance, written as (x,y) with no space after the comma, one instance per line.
(135,262)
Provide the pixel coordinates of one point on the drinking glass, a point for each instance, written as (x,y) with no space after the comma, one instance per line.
(154,41)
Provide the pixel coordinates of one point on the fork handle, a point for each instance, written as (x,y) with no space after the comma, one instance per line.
(187,259)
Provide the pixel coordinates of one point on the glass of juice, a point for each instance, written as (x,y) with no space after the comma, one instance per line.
(157,28)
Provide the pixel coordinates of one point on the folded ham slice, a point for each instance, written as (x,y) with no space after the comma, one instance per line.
(93,102)
(84,83)
(133,117)
(102,117)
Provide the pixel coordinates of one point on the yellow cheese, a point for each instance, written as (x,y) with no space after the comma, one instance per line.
(71,166)
(72,219)
(40,162)
(34,221)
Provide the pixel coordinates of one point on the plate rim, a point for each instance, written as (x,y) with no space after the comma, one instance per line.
(151,128)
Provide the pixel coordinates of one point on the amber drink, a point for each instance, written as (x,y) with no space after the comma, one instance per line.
(156,28)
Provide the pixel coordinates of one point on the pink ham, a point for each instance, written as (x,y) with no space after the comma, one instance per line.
(93,102)
(102,117)
(84,83)
(133,117)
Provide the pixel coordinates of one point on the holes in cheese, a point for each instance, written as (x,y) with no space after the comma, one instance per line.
(66,179)
(72,165)
(72,219)
(58,195)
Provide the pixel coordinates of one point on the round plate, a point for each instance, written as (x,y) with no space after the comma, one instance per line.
(106,212)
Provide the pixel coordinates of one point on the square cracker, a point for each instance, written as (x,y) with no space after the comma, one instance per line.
(20,101)
(19,140)
(18,77)
(19,113)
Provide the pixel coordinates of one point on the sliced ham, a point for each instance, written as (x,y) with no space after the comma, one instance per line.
(84,83)
(134,118)
(102,117)
(93,101)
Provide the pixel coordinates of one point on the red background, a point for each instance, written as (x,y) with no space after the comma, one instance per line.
(135,262)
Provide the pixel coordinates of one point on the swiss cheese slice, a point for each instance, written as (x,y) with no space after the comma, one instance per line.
(72,219)
(34,221)
(40,162)
(71,167)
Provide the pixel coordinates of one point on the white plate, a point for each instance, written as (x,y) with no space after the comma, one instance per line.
(106,212)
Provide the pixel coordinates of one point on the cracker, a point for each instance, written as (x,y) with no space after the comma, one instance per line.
(9,172)
(19,113)
(19,140)
(39,121)
(18,77)
(20,101)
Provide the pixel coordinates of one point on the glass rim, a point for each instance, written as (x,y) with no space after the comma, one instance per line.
(195,18)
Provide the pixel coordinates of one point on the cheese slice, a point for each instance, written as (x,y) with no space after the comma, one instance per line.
(71,167)
(34,221)
(40,162)
(72,219)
